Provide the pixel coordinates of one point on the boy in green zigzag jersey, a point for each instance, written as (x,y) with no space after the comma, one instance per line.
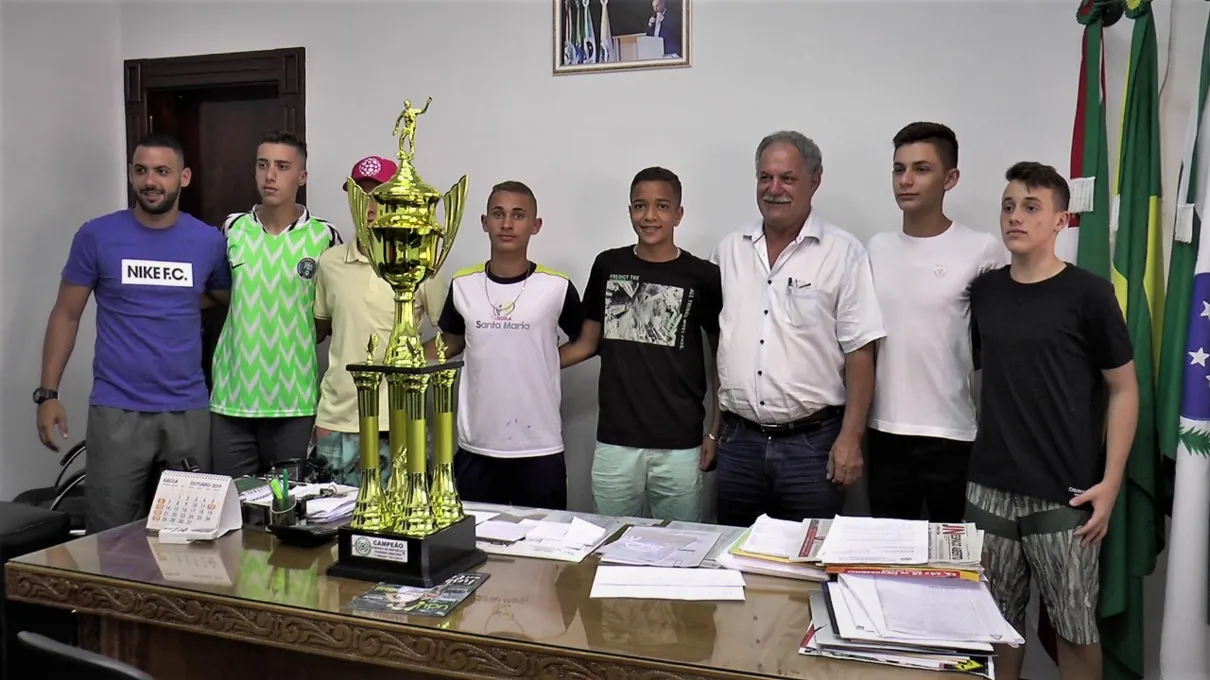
(266,371)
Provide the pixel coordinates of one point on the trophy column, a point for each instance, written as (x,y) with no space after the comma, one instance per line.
(372,511)
(447,507)
(396,490)
(416,514)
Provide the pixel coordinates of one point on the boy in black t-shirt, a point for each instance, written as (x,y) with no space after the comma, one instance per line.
(648,308)
(1047,463)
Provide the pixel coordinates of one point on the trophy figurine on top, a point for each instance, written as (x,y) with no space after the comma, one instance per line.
(413,531)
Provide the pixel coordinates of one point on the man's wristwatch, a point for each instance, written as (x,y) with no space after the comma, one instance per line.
(44,394)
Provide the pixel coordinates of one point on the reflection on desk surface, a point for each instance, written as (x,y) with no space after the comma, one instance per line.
(529,600)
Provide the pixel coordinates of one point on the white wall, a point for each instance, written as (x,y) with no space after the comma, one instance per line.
(849,74)
(63,132)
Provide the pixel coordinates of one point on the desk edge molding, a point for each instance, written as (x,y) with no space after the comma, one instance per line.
(343,636)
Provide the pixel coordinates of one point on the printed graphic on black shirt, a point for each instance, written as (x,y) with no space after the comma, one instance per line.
(654,317)
(643,312)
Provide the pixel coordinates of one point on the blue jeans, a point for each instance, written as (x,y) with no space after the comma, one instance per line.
(784,476)
(669,480)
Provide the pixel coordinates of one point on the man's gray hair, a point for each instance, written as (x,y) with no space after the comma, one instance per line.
(812,157)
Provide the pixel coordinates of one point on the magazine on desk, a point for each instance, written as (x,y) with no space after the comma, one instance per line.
(436,601)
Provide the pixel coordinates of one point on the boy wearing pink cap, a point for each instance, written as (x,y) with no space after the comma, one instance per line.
(351,302)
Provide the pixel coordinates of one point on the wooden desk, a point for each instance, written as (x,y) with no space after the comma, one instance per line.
(250,607)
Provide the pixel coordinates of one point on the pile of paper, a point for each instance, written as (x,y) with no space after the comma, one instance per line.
(933,624)
(909,593)
(546,539)
(331,508)
(326,503)
(769,547)
(892,547)
(667,583)
(659,547)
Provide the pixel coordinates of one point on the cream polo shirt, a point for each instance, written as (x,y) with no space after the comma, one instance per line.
(351,296)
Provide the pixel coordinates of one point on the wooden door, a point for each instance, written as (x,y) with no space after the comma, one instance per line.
(218,106)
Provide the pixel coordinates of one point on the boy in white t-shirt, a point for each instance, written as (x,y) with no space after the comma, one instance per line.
(922,420)
(504,317)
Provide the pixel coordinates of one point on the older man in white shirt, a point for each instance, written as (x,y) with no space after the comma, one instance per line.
(796,348)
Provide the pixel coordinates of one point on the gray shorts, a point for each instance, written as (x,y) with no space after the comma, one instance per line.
(1027,538)
(126,450)
(251,446)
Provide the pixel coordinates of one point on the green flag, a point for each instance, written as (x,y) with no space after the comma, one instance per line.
(1136,529)
(1090,181)
(1180,280)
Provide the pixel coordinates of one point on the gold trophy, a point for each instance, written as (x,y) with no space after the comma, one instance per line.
(409,532)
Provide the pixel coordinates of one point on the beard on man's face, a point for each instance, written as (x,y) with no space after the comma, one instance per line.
(157,201)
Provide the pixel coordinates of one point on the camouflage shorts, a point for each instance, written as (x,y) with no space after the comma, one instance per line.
(1026,538)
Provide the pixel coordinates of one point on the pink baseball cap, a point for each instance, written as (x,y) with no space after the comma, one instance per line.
(376,168)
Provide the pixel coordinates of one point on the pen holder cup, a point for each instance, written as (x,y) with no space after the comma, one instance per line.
(284,514)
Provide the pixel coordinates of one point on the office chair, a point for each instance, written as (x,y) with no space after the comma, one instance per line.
(64,661)
(67,494)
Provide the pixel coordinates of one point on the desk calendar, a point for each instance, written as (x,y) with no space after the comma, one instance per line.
(189,506)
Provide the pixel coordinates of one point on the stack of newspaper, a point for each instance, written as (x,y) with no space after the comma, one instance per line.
(907,594)
(877,546)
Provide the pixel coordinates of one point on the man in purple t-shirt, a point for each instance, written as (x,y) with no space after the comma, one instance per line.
(149,268)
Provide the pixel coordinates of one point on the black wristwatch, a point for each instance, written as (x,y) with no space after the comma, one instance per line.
(43,394)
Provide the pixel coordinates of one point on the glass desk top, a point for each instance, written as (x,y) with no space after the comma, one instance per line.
(528,600)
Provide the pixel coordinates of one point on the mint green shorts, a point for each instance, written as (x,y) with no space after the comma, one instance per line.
(343,453)
(668,482)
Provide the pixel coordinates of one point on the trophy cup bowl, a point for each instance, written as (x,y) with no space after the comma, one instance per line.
(425,537)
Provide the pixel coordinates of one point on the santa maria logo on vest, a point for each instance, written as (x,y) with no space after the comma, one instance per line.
(157,273)
(502,319)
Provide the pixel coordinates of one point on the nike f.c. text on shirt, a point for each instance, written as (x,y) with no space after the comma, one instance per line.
(511,387)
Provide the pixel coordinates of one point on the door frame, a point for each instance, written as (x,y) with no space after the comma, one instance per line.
(285,68)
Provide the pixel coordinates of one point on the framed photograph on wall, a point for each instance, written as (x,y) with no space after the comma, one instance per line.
(616,35)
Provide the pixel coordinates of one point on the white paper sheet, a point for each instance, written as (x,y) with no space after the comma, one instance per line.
(918,609)
(872,540)
(505,532)
(481,516)
(774,537)
(667,583)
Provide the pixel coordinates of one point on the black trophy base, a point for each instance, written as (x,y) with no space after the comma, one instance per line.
(384,557)
(428,369)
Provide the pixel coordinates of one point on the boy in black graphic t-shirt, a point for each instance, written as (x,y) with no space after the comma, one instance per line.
(1047,464)
(648,308)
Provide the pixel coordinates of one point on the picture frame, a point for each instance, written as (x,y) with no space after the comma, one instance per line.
(593,36)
